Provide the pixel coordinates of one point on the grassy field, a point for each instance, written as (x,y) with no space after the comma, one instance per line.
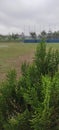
(12,55)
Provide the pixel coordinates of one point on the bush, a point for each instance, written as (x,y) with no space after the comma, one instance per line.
(46,61)
(32,102)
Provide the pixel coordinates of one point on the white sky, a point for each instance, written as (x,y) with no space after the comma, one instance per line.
(28,15)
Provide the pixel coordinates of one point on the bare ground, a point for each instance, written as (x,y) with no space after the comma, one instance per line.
(15,63)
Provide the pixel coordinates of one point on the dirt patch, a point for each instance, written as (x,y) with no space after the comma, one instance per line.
(15,63)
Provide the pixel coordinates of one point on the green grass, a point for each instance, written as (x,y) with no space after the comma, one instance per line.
(53,45)
(15,49)
(10,52)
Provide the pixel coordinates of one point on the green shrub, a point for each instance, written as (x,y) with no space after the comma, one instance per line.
(32,102)
(46,61)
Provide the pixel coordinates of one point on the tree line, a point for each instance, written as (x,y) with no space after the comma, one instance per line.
(32,35)
(47,35)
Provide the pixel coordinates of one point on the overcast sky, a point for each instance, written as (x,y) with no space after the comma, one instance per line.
(28,15)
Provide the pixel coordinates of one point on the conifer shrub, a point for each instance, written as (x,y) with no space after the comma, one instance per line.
(32,101)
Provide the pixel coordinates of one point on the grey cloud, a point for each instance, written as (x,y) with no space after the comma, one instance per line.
(15,15)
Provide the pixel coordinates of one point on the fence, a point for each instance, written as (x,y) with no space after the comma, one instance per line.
(38,40)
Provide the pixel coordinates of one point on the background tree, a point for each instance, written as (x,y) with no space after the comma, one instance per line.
(33,35)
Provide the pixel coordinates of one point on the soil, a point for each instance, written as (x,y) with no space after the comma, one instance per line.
(15,63)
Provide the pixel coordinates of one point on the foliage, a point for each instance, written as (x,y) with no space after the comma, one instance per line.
(21,121)
(46,61)
(33,35)
(32,102)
